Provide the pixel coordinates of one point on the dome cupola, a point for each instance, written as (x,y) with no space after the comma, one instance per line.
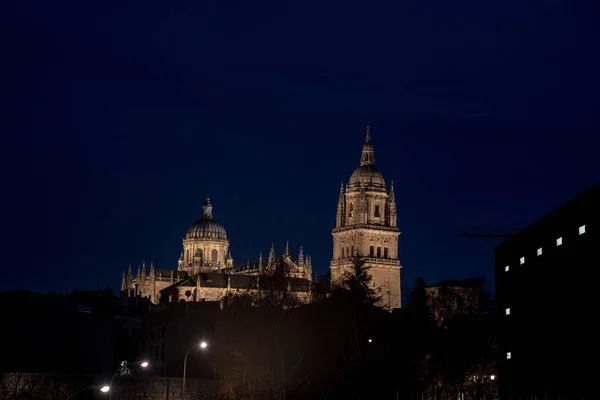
(367,176)
(206,227)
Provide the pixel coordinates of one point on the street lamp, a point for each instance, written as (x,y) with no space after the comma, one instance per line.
(103,389)
(143,364)
(202,345)
(492,377)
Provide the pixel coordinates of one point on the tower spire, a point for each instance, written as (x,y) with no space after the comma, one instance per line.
(341,209)
(271,261)
(368,157)
(287,248)
(301,257)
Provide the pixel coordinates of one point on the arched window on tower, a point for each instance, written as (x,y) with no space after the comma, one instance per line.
(379,252)
(187,255)
(385,252)
(214,256)
(352,253)
(351,212)
(348,252)
(198,256)
(342,252)
(371,251)
(377,210)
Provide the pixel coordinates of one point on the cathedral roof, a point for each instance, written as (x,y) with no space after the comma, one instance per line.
(366,176)
(219,280)
(206,227)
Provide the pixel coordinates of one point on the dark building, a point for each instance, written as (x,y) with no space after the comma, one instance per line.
(453,297)
(84,332)
(546,298)
(172,331)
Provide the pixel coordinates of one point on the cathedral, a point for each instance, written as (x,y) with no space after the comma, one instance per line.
(366,225)
(206,272)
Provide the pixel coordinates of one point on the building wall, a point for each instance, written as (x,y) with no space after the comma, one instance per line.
(192,264)
(157,388)
(443,302)
(546,301)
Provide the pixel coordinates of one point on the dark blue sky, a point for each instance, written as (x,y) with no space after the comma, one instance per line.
(118,116)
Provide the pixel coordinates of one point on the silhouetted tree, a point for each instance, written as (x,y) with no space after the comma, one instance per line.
(357,282)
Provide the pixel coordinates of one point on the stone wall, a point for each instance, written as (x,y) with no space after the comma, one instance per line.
(158,388)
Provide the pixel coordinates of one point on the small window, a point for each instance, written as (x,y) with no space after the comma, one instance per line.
(508,311)
(351,210)
(559,241)
(582,229)
(506,269)
(508,355)
(522,260)
(385,252)
(379,252)
(539,251)
(342,252)
(371,251)
(377,210)
(352,253)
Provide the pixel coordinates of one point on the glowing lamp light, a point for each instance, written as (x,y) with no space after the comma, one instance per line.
(105,388)
(492,377)
(144,364)
(203,345)
(370,340)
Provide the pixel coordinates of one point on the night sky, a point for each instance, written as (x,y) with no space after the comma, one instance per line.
(117,117)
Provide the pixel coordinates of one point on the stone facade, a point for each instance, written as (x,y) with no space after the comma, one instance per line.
(205,254)
(452,297)
(366,225)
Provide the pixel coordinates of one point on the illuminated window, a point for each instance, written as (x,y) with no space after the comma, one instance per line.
(522,260)
(506,269)
(508,311)
(508,355)
(582,229)
(559,241)
(539,252)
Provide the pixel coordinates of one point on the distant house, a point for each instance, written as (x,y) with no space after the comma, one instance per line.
(451,297)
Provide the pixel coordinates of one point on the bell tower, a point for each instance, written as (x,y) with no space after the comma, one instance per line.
(366,224)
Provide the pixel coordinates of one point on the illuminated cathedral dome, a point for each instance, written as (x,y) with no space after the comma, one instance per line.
(206,227)
(367,176)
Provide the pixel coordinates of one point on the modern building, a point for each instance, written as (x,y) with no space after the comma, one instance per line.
(366,225)
(546,297)
(205,255)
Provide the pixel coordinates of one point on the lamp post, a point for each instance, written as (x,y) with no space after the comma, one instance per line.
(202,345)
(103,389)
(143,364)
